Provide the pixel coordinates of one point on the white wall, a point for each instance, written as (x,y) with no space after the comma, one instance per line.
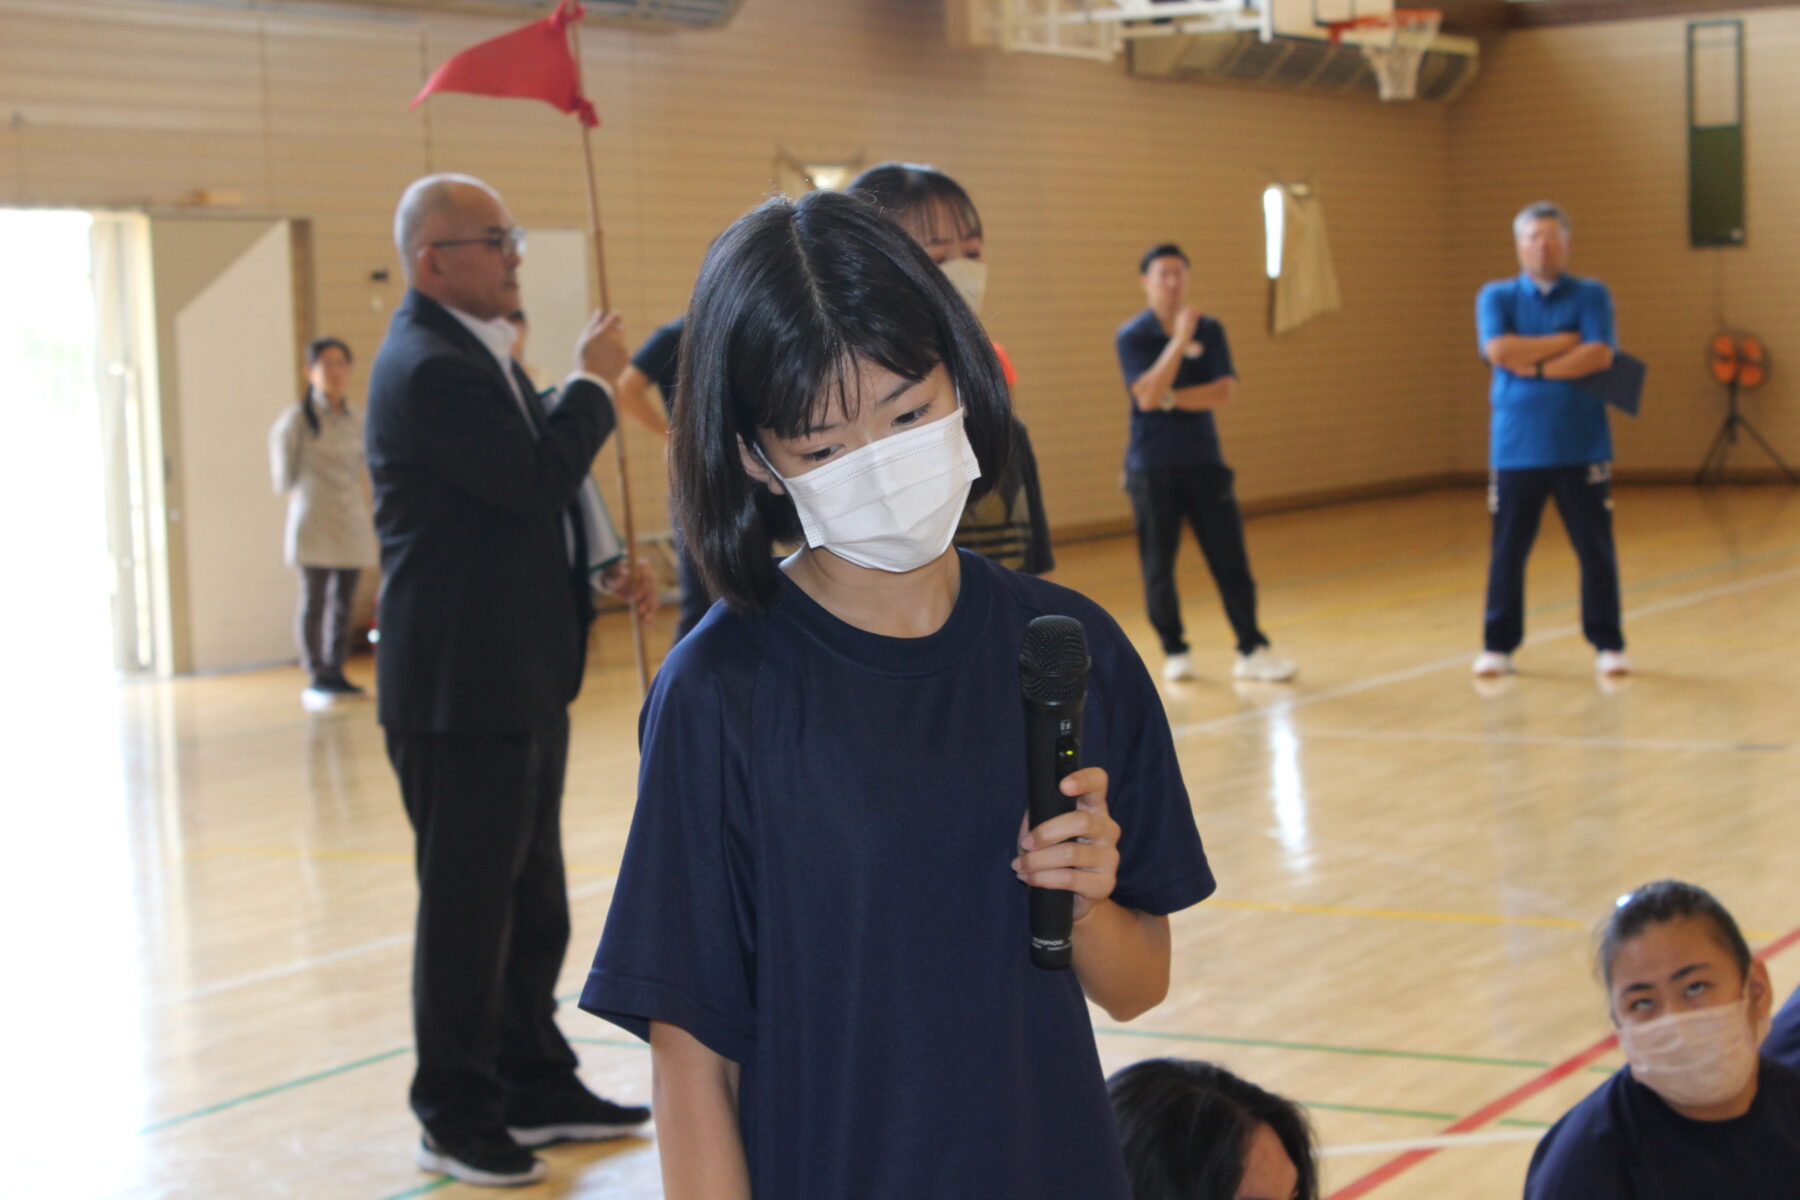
(234,371)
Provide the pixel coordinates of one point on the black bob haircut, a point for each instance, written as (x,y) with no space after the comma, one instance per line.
(791,299)
(1162,250)
(315,350)
(1186,1126)
(1658,903)
(919,197)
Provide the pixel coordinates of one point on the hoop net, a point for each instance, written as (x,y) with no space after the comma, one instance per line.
(1395,45)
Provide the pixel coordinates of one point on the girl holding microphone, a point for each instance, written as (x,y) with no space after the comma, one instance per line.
(820,924)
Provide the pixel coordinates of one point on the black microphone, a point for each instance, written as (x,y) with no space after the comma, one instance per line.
(1053,668)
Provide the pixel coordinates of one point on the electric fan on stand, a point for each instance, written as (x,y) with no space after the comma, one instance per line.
(1740,362)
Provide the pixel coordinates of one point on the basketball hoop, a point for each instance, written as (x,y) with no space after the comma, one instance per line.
(1395,45)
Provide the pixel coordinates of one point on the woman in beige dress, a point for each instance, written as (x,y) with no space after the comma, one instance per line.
(316,457)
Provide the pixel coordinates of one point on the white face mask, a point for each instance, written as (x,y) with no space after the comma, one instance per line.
(1694,1059)
(968,276)
(891,505)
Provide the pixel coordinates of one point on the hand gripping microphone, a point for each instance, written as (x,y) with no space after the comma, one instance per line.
(1053,668)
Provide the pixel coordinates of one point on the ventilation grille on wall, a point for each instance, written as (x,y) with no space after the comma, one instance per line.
(668,14)
(1297,64)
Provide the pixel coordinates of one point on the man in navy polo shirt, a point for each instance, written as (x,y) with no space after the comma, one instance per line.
(655,363)
(1177,367)
(1543,331)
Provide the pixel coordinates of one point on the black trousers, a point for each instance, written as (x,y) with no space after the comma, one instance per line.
(1584,498)
(493,922)
(1203,498)
(322,625)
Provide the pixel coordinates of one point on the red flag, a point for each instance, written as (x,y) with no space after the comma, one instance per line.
(532,62)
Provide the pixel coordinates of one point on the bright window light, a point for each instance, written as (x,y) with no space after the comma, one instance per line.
(1274,228)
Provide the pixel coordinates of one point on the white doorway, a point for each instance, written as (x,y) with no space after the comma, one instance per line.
(78,462)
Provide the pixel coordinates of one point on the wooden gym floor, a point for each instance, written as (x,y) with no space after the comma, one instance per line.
(219,885)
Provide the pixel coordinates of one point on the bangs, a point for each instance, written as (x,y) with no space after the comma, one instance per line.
(795,363)
(924,201)
(942,218)
(802,396)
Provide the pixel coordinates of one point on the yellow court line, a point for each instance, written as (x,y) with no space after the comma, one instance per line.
(356,856)
(1414,914)
(1267,906)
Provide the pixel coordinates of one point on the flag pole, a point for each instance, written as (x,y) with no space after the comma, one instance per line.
(596,238)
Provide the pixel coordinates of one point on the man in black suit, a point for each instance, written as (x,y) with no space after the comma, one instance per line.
(485,605)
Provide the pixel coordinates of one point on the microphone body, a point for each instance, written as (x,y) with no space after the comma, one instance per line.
(1053,668)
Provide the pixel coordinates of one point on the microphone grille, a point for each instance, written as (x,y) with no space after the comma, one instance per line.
(1053,660)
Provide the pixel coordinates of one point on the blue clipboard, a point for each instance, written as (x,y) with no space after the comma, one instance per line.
(1620,385)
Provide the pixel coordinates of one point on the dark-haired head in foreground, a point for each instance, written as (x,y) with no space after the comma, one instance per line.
(1194,1131)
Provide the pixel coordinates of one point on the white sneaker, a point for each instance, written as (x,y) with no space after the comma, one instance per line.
(1491,664)
(1262,665)
(1612,662)
(317,700)
(1179,668)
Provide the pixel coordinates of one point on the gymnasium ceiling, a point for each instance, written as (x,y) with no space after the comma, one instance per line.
(1468,17)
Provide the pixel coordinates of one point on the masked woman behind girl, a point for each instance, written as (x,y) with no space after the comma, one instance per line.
(820,924)
(1007,522)
(1696,1114)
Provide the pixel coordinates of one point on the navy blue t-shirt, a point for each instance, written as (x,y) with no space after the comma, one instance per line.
(1623,1143)
(1783,1042)
(1169,441)
(817,886)
(1545,422)
(659,356)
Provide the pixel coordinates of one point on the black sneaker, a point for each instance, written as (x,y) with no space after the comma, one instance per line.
(340,686)
(492,1161)
(572,1115)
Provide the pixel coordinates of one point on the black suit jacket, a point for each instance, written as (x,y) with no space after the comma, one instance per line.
(483,619)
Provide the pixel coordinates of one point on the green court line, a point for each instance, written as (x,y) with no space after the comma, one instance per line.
(634,1044)
(1475,1060)
(289,1086)
(1323,1048)
(1420,1114)
(433,1186)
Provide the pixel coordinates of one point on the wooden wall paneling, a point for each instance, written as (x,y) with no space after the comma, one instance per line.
(1075,165)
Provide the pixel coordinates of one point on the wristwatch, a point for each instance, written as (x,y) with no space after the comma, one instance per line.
(1537,371)
(1168,402)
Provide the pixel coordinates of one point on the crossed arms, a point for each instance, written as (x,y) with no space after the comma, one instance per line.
(1563,355)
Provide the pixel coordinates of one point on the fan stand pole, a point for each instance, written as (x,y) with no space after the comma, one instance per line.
(1712,467)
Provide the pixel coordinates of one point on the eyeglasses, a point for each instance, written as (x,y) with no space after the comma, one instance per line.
(513,238)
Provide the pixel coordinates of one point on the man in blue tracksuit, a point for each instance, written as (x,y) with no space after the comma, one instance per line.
(1543,331)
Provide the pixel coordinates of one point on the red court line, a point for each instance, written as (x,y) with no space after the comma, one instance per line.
(1514,1098)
